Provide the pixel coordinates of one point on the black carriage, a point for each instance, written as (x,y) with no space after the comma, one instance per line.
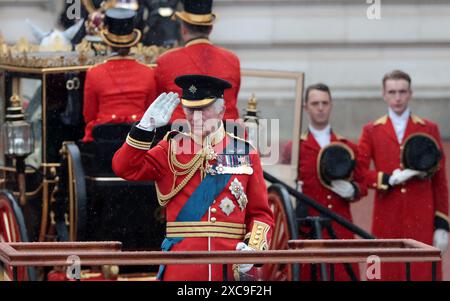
(66,190)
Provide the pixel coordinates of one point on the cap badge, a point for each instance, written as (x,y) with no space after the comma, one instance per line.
(193,89)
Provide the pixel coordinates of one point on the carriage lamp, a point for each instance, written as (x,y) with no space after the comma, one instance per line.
(18,140)
(165,10)
(255,130)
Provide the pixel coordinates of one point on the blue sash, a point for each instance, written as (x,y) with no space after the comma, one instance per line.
(196,207)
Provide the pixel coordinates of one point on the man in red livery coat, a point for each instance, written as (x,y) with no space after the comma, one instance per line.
(210,182)
(120,89)
(199,56)
(340,193)
(407,204)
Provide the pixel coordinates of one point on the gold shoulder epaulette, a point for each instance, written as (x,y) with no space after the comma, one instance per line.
(381,120)
(339,137)
(417,119)
(304,136)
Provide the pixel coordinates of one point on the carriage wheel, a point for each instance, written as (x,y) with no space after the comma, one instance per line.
(13,229)
(74,187)
(285,229)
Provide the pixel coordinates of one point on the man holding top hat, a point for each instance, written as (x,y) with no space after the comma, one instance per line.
(199,56)
(120,89)
(329,169)
(210,181)
(411,199)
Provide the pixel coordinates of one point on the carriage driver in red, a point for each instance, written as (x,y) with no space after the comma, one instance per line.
(210,181)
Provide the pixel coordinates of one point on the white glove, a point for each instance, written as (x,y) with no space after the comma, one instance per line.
(159,112)
(343,188)
(245,267)
(401,176)
(440,240)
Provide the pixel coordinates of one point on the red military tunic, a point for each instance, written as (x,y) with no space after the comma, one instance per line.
(224,224)
(117,91)
(409,210)
(312,187)
(199,56)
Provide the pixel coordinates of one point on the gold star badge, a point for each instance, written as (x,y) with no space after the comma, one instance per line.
(193,89)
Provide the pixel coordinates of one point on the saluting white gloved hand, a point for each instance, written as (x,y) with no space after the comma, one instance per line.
(401,176)
(343,188)
(440,240)
(244,267)
(159,112)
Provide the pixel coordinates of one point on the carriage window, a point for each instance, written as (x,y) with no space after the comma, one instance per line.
(31,94)
(278,99)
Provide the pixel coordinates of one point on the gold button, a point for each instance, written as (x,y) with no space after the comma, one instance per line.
(114,116)
(213,210)
(330,206)
(403,190)
(255,242)
(213,219)
(134,117)
(329,197)
(258,232)
(259,228)
(256,237)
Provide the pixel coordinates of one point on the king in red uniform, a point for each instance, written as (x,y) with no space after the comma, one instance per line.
(210,182)
(199,56)
(406,206)
(120,89)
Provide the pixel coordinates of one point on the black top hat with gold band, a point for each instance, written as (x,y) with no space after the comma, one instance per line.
(200,91)
(336,161)
(421,152)
(120,29)
(197,12)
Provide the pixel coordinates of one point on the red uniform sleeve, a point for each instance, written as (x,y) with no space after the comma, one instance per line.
(259,216)
(90,106)
(373,178)
(359,175)
(135,162)
(440,188)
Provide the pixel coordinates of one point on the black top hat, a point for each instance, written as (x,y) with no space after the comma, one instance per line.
(120,28)
(200,90)
(421,152)
(336,161)
(197,12)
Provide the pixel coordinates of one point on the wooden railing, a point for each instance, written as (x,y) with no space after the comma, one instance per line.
(301,251)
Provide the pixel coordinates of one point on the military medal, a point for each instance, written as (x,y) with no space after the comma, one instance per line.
(210,153)
(227,206)
(237,190)
(243,201)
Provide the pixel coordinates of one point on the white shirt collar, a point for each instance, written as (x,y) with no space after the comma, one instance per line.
(323,137)
(399,122)
(399,118)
